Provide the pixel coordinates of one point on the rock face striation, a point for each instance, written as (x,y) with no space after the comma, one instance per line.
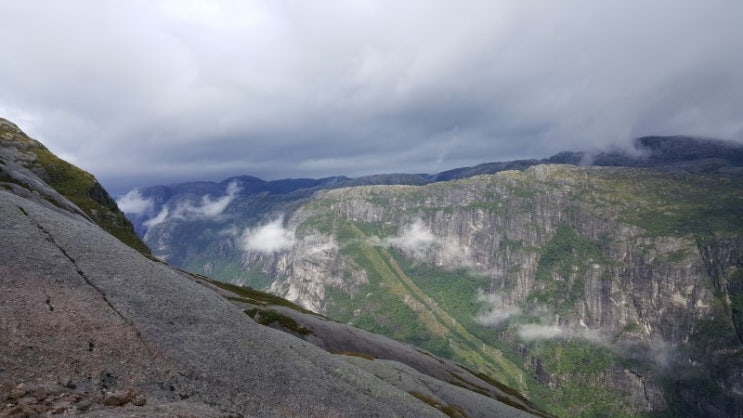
(624,277)
(91,327)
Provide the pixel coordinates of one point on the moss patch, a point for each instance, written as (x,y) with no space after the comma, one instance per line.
(78,186)
(270,317)
(250,295)
(449,410)
(366,356)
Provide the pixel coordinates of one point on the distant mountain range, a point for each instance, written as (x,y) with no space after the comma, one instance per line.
(669,153)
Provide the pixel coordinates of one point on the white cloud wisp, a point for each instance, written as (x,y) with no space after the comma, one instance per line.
(269,238)
(418,242)
(133,203)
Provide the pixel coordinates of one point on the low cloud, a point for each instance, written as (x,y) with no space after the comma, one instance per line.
(416,240)
(207,208)
(530,332)
(158,219)
(318,244)
(656,351)
(133,203)
(497,310)
(419,242)
(269,238)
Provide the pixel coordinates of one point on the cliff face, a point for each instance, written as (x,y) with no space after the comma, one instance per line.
(628,279)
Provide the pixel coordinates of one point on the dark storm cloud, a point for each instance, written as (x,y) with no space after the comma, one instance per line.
(152,91)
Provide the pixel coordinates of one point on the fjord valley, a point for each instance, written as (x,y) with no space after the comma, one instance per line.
(92,325)
(355,208)
(593,284)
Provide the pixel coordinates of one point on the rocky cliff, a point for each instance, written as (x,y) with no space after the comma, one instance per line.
(91,327)
(591,289)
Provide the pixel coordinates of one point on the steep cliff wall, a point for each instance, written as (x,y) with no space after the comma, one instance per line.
(553,279)
(627,273)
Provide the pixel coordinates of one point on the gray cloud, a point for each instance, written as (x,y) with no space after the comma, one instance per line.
(207,207)
(154,91)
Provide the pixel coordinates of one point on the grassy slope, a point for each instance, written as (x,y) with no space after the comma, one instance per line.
(78,186)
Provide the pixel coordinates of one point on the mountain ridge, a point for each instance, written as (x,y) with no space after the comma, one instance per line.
(678,152)
(60,183)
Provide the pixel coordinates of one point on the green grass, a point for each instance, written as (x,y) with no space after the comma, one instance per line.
(82,189)
(379,309)
(578,368)
(449,410)
(365,356)
(684,204)
(271,316)
(250,295)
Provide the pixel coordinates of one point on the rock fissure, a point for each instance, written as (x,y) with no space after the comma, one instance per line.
(48,236)
(644,385)
(48,302)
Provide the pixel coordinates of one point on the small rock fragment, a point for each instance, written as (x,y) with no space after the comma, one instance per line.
(139,400)
(117,398)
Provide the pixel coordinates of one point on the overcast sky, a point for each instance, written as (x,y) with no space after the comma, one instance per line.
(147,92)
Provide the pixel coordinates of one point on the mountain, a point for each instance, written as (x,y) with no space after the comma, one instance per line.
(611,283)
(92,327)
(679,153)
(29,165)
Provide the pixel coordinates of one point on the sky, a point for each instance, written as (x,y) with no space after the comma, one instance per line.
(143,92)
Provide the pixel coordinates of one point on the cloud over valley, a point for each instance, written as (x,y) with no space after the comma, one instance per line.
(269,238)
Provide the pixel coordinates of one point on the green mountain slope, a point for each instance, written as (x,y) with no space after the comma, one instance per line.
(74,184)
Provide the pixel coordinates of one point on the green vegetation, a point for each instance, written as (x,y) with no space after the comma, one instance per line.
(85,192)
(579,369)
(455,290)
(687,204)
(78,186)
(365,356)
(378,308)
(255,297)
(735,289)
(271,316)
(393,304)
(449,410)
(562,266)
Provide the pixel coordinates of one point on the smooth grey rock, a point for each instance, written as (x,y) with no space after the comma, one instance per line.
(82,308)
